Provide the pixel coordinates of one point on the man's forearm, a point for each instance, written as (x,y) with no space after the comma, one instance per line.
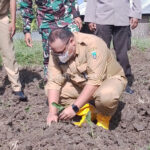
(85,95)
(13,11)
(53,96)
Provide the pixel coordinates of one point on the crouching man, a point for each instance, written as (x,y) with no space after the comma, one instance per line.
(81,68)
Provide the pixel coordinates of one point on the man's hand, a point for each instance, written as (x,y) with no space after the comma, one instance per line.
(67,113)
(78,22)
(92,26)
(12,29)
(28,39)
(51,118)
(133,23)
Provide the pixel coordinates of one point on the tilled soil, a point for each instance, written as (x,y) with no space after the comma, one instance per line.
(23,124)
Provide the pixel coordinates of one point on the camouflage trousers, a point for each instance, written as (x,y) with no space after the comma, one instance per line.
(46,48)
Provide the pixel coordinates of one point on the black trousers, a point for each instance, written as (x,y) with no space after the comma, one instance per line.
(121,38)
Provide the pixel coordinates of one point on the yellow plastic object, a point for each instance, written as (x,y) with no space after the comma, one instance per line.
(83,112)
(102,121)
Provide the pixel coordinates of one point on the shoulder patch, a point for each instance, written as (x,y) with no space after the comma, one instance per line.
(93,54)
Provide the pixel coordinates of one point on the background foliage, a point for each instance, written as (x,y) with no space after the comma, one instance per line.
(19,21)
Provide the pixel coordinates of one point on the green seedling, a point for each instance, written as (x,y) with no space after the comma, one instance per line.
(27,109)
(59,107)
(89,121)
(88,116)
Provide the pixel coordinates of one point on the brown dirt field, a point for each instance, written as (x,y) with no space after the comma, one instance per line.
(23,124)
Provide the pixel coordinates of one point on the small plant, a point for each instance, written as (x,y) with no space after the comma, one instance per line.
(27,109)
(59,107)
(89,121)
(87,118)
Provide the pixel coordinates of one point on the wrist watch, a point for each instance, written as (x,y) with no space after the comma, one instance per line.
(75,108)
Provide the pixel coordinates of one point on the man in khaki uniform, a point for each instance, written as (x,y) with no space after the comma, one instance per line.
(7,30)
(81,68)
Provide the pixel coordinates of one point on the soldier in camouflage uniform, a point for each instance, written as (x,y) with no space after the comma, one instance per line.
(51,14)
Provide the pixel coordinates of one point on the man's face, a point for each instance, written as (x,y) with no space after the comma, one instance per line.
(63,50)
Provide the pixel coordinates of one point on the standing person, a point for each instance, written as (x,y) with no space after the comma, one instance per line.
(82,68)
(112,20)
(50,15)
(7,31)
(81,7)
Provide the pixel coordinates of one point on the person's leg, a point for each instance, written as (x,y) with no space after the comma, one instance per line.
(69,94)
(108,94)
(104,32)
(8,57)
(122,43)
(45,34)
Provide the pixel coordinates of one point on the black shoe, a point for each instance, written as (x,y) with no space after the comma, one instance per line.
(20,95)
(130,79)
(129,90)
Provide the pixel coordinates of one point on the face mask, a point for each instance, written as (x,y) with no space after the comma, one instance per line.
(65,57)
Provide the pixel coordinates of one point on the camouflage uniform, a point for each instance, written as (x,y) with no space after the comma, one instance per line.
(51,14)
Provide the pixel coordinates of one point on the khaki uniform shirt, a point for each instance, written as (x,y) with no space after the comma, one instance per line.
(92,64)
(112,12)
(4,7)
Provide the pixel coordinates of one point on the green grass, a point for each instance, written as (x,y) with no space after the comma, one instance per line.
(148,148)
(26,56)
(141,44)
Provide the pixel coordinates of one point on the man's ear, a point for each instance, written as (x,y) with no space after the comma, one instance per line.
(72,41)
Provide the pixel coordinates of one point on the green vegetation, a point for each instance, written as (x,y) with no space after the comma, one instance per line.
(27,109)
(87,119)
(59,107)
(27,56)
(148,148)
(19,21)
(19,24)
(141,43)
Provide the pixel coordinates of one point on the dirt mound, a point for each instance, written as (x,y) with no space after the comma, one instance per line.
(23,124)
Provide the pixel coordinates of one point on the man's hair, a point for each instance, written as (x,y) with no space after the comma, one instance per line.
(60,33)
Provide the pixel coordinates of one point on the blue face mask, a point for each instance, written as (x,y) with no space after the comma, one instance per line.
(65,57)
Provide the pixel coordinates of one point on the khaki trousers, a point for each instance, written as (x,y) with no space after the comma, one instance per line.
(8,55)
(106,96)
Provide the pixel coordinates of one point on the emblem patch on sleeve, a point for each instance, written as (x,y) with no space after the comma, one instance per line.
(93,54)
